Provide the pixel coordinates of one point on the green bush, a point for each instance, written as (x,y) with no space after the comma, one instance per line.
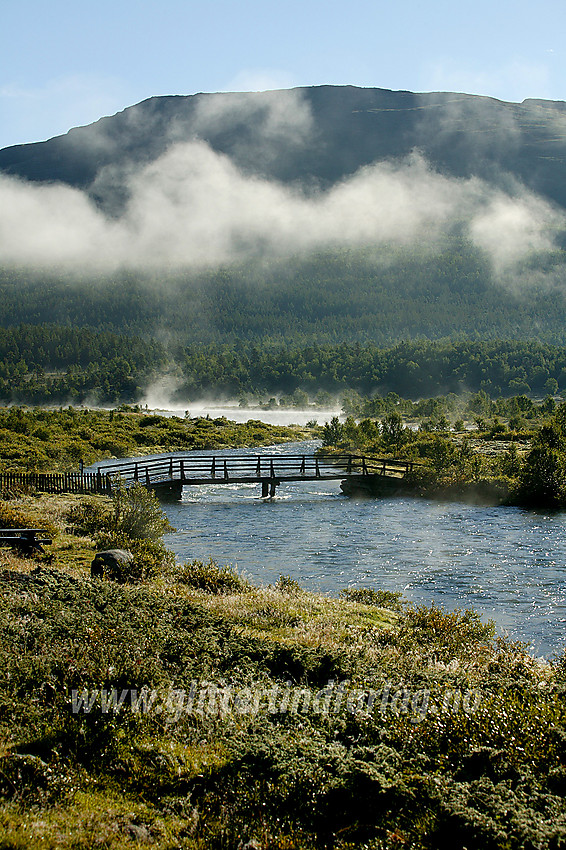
(286,584)
(369,596)
(11,517)
(210,577)
(138,514)
(542,481)
(151,558)
(89,517)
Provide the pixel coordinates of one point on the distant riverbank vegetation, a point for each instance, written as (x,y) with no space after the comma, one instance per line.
(520,461)
(33,439)
(50,364)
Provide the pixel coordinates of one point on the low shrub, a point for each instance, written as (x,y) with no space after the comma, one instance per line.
(210,577)
(151,558)
(89,517)
(286,584)
(11,517)
(369,596)
(138,514)
(134,522)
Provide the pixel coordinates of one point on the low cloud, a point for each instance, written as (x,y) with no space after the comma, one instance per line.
(280,118)
(192,208)
(509,229)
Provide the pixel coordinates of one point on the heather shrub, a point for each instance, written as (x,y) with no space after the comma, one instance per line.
(288,585)
(210,577)
(369,596)
(89,517)
(150,557)
(11,517)
(136,512)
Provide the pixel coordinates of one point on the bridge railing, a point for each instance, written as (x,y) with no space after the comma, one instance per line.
(202,468)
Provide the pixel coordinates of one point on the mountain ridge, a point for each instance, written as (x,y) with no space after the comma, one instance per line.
(459,134)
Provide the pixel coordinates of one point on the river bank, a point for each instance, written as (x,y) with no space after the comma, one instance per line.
(201,709)
(195,710)
(488,493)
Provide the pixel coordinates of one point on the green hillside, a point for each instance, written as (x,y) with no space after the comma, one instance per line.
(474,255)
(364,295)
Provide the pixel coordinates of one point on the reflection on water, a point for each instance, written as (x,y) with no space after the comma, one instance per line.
(506,563)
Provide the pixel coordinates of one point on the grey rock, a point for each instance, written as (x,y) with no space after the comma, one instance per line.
(111,563)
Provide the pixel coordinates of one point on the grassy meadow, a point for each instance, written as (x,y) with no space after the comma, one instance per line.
(191,709)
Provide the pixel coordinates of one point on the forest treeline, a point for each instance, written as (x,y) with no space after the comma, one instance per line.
(371,295)
(48,363)
(418,321)
(411,369)
(53,364)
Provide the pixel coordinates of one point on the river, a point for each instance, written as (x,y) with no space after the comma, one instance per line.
(508,564)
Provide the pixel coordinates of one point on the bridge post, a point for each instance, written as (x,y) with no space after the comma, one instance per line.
(182,469)
(303,465)
(258,468)
(264,488)
(349,469)
(272,487)
(170,467)
(169,492)
(226,471)
(213,470)
(317,468)
(147,479)
(136,473)
(364,467)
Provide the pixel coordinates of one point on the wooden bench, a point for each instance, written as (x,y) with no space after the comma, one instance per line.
(24,540)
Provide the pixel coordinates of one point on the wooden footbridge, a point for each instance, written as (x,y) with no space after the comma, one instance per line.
(167,475)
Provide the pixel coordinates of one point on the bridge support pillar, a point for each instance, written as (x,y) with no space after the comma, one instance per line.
(170,492)
(268,487)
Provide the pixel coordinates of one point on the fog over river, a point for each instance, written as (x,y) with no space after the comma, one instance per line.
(275,416)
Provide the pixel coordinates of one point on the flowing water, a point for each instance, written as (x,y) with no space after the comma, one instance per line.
(506,563)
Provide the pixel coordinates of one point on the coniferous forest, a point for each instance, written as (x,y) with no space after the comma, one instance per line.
(401,321)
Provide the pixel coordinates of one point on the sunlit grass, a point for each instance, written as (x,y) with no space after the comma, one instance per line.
(467,745)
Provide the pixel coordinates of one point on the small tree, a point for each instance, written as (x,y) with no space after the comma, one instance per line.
(392,431)
(138,514)
(441,454)
(510,462)
(542,481)
(332,432)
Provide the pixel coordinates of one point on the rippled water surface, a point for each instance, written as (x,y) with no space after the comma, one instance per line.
(506,563)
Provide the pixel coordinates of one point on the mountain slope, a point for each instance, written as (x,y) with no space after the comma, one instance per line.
(323,214)
(316,136)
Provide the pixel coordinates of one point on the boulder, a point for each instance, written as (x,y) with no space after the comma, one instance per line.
(111,564)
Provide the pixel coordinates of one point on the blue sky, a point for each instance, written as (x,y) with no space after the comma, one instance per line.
(65,62)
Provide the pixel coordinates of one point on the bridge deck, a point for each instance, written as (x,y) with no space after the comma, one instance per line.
(169,474)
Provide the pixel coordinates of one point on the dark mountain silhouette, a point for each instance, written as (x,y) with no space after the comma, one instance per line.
(459,134)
